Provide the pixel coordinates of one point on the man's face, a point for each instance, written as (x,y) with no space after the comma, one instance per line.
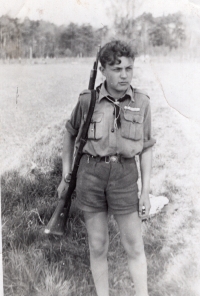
(118,76)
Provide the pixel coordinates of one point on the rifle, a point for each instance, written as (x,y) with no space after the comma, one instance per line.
(58,220)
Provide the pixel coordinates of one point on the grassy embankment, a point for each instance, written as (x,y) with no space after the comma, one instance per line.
(35,264)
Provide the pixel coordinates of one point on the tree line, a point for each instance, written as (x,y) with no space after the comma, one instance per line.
(36,39)
(149,34)
(44,39)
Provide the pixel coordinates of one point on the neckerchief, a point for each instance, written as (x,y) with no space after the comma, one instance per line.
(117,109)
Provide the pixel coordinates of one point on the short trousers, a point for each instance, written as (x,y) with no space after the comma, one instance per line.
(107,187)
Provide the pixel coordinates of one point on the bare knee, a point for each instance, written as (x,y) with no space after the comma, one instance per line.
(98,246)
(134,249)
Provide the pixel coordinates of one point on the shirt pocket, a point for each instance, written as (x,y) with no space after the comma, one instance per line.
(132,126)
(95,130)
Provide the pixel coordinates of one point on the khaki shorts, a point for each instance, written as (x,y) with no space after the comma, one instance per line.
(103,187)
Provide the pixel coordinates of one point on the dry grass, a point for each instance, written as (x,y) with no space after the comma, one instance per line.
(35,264)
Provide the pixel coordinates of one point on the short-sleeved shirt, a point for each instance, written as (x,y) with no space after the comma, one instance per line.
(128,139)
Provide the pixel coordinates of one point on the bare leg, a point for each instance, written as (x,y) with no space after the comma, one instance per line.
(131,237)
(97,228)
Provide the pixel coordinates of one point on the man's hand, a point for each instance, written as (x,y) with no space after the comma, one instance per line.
(144,206)
(63,186)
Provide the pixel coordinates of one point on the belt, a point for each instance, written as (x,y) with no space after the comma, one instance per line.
(106,159)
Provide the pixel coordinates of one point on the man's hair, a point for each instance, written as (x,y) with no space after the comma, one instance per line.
(112,51)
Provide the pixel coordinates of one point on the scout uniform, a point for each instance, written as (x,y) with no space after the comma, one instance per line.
(119,130)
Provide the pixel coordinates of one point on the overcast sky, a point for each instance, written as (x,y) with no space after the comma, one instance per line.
(96,12)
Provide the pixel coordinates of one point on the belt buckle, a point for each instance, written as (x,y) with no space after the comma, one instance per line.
(114,158)
(107,157)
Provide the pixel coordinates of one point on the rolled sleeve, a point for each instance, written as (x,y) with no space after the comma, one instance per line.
(148,140)
(70,128)
(73,124)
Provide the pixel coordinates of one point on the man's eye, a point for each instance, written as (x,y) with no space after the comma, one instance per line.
(117,70)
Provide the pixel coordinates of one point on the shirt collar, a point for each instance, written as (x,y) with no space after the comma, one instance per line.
(104,93)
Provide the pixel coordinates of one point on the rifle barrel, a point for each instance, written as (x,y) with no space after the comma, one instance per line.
(93,72)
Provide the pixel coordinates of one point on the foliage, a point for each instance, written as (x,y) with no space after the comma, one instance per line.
(79,40)
(44,39)
(147,32)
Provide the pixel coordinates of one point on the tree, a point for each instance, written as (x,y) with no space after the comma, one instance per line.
(9,37)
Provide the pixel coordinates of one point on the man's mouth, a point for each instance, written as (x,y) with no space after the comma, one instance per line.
(123,82)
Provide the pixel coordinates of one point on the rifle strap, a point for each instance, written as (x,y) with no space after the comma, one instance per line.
(89,116)
(84,133)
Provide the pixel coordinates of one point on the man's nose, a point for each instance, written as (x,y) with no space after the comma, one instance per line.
(123,73)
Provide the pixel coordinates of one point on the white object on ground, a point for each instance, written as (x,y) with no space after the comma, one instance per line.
(157,203)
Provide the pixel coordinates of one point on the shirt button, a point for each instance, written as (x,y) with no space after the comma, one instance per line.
(112,130)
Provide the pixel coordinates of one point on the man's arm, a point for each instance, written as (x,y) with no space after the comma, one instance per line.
(145,167)
(67,159)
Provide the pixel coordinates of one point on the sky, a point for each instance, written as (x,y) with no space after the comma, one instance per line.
(96,12)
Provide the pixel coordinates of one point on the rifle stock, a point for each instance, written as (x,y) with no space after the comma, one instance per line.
(58,220)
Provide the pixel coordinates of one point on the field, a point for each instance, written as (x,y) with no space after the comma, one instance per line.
(35,101)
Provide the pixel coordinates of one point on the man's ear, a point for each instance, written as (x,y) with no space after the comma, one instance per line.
(102,69)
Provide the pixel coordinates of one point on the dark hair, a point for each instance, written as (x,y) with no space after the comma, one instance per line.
(112,51)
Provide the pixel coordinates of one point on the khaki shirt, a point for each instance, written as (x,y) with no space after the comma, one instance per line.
(104,137)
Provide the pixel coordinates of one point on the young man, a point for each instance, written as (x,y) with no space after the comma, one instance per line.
(107,175)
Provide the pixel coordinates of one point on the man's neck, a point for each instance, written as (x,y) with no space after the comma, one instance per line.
(115,95)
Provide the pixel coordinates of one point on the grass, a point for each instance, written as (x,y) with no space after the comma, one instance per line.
(36,264)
